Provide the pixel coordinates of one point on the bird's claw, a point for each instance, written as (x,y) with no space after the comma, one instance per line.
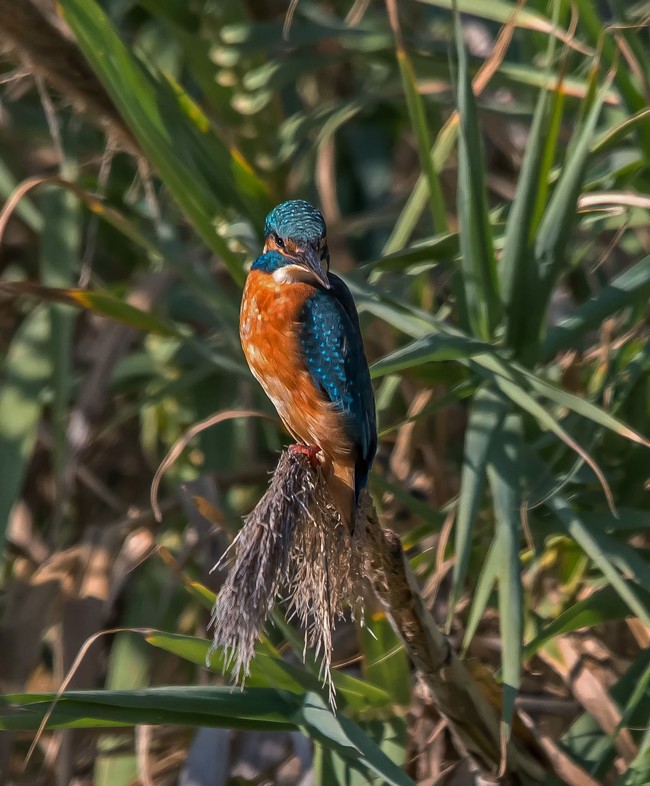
(311,451)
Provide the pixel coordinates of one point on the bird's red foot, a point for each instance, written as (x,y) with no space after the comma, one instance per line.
(311,451)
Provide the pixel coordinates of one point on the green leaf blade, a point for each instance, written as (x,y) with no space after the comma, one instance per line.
(504,476)
(477,246)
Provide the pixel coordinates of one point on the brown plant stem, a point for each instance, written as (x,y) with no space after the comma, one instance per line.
(471,719)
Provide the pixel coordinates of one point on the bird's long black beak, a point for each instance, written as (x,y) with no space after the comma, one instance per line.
(311,259)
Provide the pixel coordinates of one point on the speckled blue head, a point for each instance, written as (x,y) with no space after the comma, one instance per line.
(298,220)
(295,239)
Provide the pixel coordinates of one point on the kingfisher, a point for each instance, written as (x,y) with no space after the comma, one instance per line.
(300,333)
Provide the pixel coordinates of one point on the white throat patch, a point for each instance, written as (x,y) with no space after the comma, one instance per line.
(292,274)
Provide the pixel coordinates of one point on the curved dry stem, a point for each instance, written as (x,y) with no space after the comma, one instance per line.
(71,672)
(17,194)
(179,446)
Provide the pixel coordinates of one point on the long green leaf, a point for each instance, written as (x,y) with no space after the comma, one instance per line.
(199,651)
(420,126)
(432,251)
(481,595)
(558,222)
(447,343)
(185,155)
(522,378)
(433,348)
(547,422)
(476,244)
(517,271)
(60,242)
(483,428)
(345,736)
(504,476)
(255,708)
(269,669)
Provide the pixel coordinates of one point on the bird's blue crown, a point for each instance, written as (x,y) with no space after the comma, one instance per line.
(296,219)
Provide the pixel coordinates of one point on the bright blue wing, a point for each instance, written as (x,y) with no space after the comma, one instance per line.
(332,347)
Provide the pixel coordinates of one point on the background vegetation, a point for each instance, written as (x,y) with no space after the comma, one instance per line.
(500,262)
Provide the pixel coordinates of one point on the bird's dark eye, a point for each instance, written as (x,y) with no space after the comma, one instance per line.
(279,242)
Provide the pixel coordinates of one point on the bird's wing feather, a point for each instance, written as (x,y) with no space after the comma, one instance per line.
(332,347)
(344,296)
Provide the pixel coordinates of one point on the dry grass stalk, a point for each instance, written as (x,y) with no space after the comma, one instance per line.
(293,542)
(472,720)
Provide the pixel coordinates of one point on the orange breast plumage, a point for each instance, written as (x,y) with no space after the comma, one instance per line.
(269,326)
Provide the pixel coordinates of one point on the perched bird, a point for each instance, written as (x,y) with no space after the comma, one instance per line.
(300,333)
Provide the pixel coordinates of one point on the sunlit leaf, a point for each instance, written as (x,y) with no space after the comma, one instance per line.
(101,303)
(269,669)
